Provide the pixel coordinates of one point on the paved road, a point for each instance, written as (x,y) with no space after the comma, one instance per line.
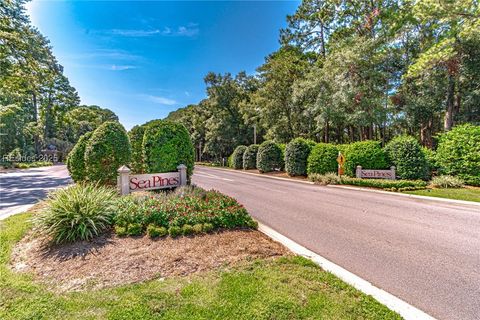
(422,251)
(21,189)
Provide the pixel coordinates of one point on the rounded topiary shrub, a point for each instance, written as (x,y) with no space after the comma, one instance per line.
(367,154)
(166,145)
(458,153)
(322,159)
(406,154)
(250,157)
(136,140)
(269,157)
(296,155)
(107,150)
(76,159)
(237,157)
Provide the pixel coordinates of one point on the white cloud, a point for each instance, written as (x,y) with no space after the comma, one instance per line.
(115,67)
(160,100)
(189,30)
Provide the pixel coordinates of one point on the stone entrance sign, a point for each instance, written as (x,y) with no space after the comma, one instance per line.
(139,182)
(375,174)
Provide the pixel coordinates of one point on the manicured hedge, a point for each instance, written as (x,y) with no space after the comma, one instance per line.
(237,157)
(165,146)
(250,157)
(76,158)
(106,151)
(296,154)
(367,154)
(458,153)
(392,185)
(269,157)
(136,140)
(323,159)
(406,154)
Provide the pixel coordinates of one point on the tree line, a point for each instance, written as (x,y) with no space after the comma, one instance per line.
(39,109)
(349,71)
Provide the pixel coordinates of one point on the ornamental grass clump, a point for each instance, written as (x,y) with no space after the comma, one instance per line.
(447,182)
(78,212)
(324,179)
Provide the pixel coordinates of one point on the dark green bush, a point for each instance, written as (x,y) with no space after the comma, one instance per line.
(166,145)
(250,157)
(76,159)
(269,157)
(406,154)
(367,154)
(174,231)
(296,155)
(136,140)
(107,150)
(78,212)
(237,157)
(391,185)
(458,153)
(431,157)
(322,159)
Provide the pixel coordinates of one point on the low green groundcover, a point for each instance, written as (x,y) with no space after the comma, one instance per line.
(285,288)
(186,211)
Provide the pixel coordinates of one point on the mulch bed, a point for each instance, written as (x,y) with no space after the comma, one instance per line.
(110,260)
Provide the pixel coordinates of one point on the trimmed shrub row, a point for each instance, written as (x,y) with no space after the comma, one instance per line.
(458,154)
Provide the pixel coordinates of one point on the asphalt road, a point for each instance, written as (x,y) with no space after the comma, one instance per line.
(423,251)
(21,189)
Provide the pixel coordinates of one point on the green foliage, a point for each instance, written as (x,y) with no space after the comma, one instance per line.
(76,159)
(324,179)
(446,182)
(135,229)
(201,210)
(250,157)
(35,164)
(154,232)
(322,159)
(207,227)
(78,212)
(174,231)
(237,157)
(296,155)
(269,157)
(407,156)
(187,230)
(367,154)
(431,158)
(197,228)
(458,153)
(136,141)
(107,150)
(391,185)
(166,145)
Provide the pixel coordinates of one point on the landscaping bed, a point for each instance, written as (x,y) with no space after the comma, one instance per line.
(282,288)
(110,260)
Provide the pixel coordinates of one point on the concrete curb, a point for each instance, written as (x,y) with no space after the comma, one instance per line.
(353,187)
(407,311)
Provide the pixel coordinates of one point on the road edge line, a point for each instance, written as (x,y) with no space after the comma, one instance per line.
(351,187)
(406,310)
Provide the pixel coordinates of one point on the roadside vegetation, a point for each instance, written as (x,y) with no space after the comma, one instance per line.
(282,288)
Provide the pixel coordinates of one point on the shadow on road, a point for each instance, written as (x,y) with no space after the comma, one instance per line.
(27,189)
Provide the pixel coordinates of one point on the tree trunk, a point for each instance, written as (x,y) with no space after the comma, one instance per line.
(426,134)
(450,112)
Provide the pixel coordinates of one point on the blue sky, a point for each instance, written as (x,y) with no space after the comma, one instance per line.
(145,59)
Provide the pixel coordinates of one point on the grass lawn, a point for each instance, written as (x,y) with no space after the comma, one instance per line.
(468,194)
(284,288)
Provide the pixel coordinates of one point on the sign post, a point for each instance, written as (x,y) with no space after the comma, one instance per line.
(341,163)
